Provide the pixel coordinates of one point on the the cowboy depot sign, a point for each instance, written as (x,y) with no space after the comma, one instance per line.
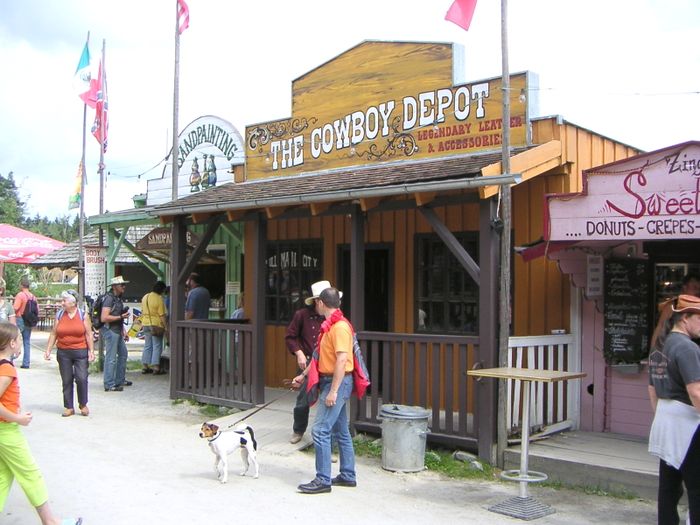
(650,196)
(380,102)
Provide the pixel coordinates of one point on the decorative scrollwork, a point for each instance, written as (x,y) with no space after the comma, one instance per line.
(300,124)
(261,135)
(399,141)
(258,137)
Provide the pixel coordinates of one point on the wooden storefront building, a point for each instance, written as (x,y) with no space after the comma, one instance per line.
(385,181)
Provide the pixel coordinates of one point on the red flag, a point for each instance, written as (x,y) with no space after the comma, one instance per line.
(183,16)
(101,124)
(461,13)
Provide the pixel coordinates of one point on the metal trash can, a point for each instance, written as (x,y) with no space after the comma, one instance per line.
(404,431)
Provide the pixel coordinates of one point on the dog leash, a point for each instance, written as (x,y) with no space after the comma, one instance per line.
(260,408)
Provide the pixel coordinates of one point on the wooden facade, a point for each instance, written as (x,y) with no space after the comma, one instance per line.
(386,195)
(541,294)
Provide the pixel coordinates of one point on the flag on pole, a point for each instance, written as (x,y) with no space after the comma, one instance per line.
(82,80)
(101,124)
(183,16)
(74,199)
(461,13)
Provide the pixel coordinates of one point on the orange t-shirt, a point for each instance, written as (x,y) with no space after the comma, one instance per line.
(10,397)
(337,339)
(70,333)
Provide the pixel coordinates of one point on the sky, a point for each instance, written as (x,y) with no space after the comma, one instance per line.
(627,69)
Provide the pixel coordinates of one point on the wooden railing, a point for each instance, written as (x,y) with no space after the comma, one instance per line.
(215,363)
(422,370)
(549,402)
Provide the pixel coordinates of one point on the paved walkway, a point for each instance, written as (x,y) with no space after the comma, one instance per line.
(137,459)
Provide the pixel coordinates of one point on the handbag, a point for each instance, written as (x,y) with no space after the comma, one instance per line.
(157,331)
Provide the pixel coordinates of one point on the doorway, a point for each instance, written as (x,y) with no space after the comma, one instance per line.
(377,285)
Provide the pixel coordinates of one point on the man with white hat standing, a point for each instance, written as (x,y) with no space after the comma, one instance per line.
(114,336)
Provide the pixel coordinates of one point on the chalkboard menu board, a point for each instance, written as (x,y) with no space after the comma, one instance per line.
(626,326)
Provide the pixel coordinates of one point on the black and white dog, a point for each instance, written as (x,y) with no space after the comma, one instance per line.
(222,443)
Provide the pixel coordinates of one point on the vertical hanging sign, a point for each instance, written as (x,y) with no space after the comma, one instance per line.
(95,258)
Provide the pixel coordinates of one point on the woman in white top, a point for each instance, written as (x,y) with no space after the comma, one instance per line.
(674,391)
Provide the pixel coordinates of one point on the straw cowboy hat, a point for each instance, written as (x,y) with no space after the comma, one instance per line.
(117,280)
(316,290)
(687,304)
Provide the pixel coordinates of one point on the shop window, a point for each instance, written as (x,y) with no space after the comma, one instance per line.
(291,267)
(447,298)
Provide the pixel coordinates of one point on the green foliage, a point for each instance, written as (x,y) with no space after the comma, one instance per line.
(618,493)
(11,207)
(442,461)
(367,446)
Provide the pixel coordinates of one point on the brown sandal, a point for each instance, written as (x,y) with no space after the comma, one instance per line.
(67,412)
(84,411)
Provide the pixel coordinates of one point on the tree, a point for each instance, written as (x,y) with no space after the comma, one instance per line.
(12,209)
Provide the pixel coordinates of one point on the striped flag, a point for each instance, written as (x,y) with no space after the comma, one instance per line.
(82,80)
(101,124)
(461,13)
(183,16)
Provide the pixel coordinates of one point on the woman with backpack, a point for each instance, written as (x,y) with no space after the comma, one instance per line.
(27,312)
(72,335)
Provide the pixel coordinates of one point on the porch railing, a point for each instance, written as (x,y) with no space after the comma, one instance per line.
(422,370)
(548,401)
(215,363)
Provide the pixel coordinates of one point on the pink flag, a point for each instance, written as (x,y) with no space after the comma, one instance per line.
(461,13)
(101,124)
(183,16)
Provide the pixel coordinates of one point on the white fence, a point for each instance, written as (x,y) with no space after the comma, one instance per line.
(550,403)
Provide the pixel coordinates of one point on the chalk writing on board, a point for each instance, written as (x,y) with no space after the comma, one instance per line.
(626,325)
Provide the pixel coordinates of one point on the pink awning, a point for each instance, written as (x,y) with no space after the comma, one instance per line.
(20,246)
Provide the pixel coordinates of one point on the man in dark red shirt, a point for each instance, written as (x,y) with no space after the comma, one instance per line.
(301,338)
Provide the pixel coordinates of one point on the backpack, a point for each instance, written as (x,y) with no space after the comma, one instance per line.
(31,312)
(96,312)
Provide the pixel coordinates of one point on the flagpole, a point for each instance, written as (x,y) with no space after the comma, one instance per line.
(101,167)
(176,103)
(81,222)
(505,276)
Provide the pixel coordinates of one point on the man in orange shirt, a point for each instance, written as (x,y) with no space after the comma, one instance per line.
(19,305)
(335,365)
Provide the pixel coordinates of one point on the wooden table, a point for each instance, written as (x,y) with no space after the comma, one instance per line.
(523,506)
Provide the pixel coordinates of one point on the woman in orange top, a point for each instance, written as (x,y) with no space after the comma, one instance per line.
(16,461)
(72,334)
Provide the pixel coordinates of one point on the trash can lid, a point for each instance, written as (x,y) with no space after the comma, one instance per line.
(404,412)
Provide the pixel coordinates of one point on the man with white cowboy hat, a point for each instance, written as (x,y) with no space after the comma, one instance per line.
(114,336)
(301,337)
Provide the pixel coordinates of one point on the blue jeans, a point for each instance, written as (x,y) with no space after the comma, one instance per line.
(333,421)
(152,348)
(26,332)
(115,358)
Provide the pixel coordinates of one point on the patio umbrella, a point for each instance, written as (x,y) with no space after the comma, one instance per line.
(18,246)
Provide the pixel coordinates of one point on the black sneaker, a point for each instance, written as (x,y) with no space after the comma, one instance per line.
(314,487)
(127,383)
(114,389)
(340,482)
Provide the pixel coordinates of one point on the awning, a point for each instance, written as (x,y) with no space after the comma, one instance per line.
(158,242)
(18,246)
